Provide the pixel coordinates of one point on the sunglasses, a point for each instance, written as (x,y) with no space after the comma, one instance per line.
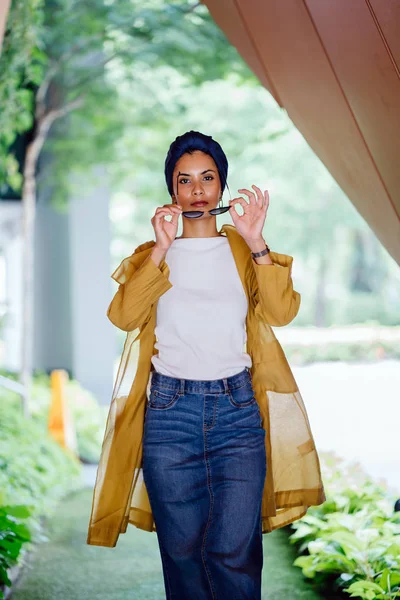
(193,214)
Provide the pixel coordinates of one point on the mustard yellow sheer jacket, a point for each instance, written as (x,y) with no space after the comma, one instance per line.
(293,481)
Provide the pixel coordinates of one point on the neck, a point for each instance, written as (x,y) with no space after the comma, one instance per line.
(200,230)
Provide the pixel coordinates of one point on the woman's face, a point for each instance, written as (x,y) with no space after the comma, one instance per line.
(196,178)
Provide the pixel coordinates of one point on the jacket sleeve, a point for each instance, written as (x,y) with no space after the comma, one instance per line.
(131,306)
(277,303)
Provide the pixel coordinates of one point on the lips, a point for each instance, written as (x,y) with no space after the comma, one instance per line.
(199,203)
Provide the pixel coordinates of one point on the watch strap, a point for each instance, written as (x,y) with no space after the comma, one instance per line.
(262,253)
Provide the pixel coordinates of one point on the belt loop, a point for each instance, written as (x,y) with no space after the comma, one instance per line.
(182,387)
(226,387)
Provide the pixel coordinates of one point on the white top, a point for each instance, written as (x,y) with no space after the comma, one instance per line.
(201,321)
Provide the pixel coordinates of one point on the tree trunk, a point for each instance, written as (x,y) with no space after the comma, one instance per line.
(43,123)
(28,227)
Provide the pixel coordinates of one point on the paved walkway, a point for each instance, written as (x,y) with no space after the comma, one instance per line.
(65,567)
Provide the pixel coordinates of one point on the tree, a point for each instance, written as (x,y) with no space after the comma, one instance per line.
(75,50)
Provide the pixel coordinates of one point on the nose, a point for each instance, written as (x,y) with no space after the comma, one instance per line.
(198,190)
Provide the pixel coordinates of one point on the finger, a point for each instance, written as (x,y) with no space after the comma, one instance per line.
(168,210)
(240,201)
(266,199)
(174,208)
(251,195)
(260,197)
(233,215)
(163,212)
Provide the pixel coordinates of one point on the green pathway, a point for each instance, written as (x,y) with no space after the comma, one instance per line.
(66,568)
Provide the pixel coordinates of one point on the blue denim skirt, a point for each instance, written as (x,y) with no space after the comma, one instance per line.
(204,466)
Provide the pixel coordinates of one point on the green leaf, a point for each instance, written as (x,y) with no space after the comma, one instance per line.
(348,541)
(388,577)
(362,586)
(20,511)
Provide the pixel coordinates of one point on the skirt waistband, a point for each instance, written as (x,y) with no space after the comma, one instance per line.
(201,386)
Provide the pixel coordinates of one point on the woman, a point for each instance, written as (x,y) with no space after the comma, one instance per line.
(204,461)
(207,440)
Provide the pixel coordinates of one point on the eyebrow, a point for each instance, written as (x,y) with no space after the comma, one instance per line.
(202,173)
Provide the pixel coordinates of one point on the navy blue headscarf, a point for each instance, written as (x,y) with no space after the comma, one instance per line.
(189,142)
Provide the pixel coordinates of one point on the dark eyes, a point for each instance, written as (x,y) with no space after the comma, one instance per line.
(185,179)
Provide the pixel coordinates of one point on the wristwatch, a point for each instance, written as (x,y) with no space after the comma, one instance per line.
(262,253)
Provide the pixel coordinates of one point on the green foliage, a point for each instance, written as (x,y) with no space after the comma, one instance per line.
(308,215)
(82,50)
(342,352)
(146,71)
(353,539)
(88,416)
(35,472)
(34,469)
(13,535)
(22,64)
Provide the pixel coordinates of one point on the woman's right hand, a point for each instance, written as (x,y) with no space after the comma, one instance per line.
(166,231)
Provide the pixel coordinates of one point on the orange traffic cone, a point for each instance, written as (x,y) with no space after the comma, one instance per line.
(61,425)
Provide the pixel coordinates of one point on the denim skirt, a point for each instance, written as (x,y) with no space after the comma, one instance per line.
(204,466)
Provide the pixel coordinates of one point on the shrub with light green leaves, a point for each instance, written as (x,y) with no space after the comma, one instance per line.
(351,542)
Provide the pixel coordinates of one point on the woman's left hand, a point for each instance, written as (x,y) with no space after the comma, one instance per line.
(250,224)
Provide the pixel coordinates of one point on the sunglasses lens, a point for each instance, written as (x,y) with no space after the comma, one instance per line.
(219,210)
(192,214)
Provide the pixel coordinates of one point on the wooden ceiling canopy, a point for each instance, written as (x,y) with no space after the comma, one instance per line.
(334,66)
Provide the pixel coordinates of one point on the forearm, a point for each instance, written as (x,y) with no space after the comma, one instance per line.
(157,254)
(257,246)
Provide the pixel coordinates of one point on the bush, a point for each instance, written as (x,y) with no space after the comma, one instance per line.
(13,535)
(352,540)
(342,352)
(88,416)
(34,469)
(35,472)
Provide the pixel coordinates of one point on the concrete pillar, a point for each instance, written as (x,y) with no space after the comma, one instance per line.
(94,337)
(73,289)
